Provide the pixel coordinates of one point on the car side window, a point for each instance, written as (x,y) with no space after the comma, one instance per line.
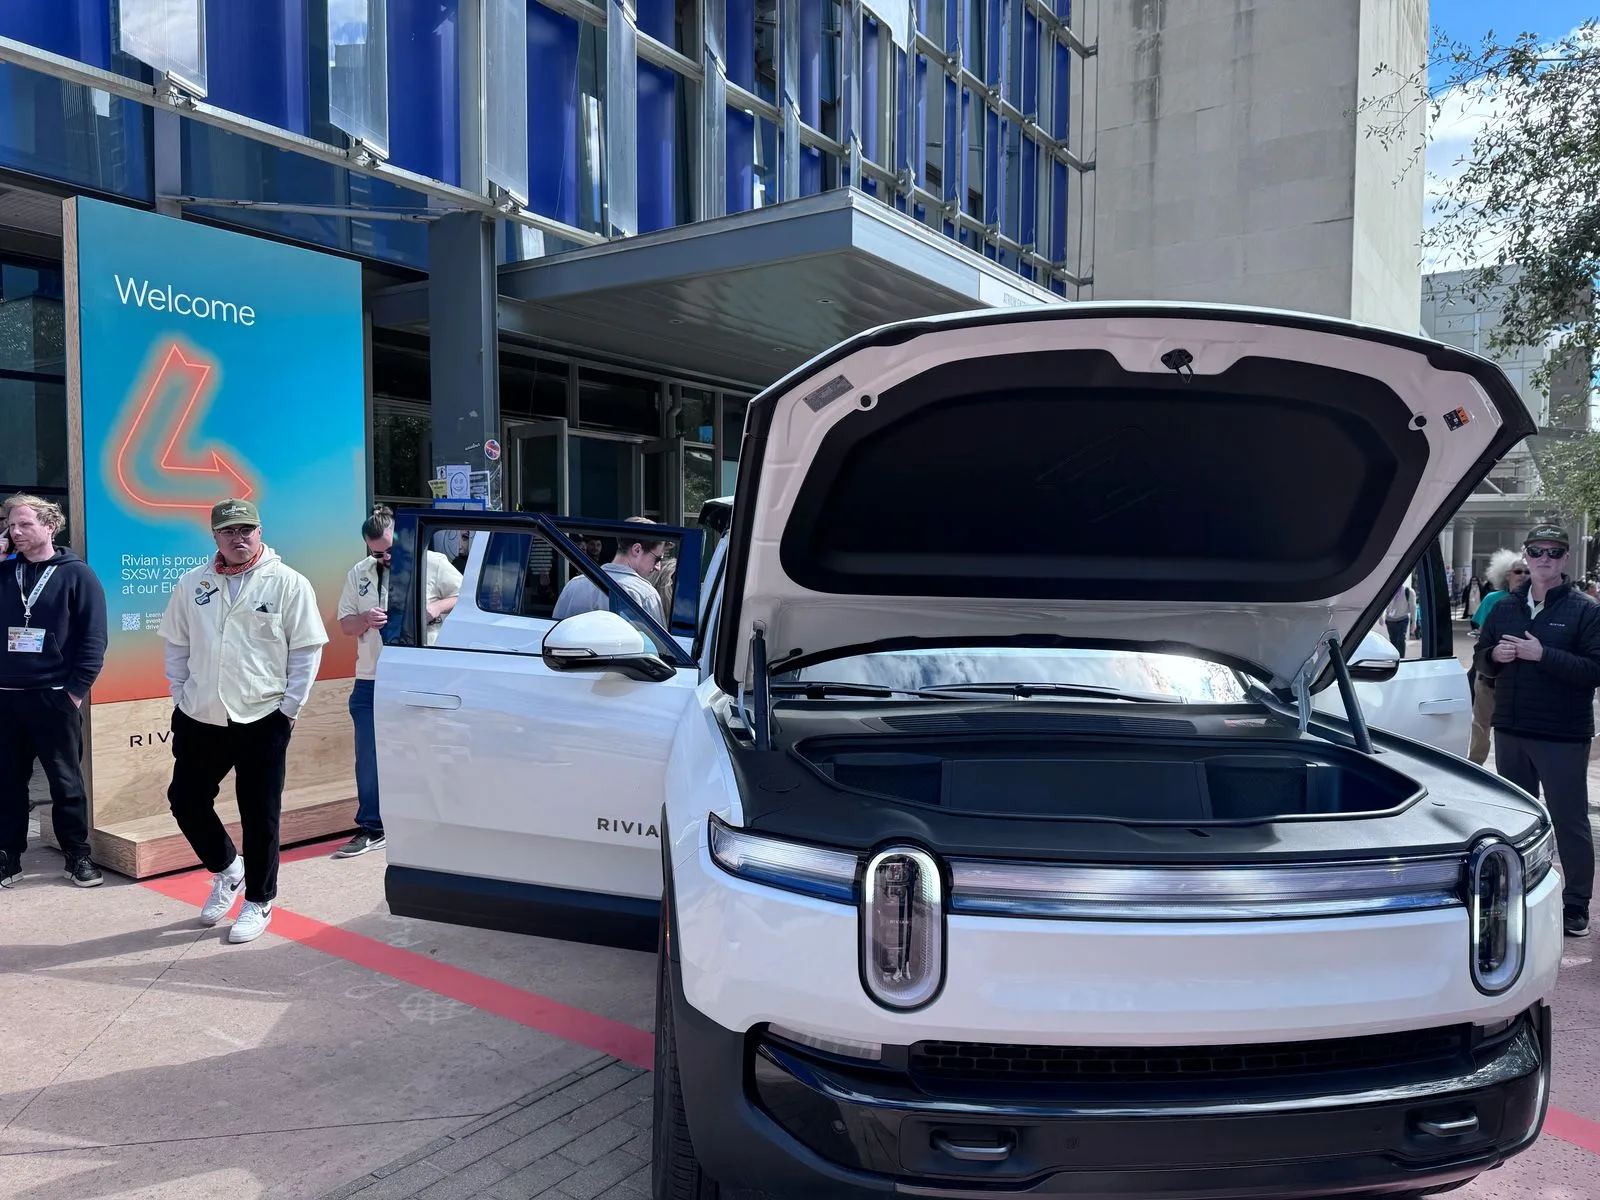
(525,574)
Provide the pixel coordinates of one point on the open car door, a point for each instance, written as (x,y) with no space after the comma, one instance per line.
(1426,698)
(516,795)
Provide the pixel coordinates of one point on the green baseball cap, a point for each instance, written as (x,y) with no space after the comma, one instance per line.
(1547,533)
(234,512)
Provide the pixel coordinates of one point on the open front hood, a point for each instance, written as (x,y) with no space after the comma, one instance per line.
(1236,481)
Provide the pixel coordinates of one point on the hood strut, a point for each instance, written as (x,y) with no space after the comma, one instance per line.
(1347,693)
(761,724)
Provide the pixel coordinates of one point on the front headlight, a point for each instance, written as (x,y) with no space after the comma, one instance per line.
(902,928)
(1497,909)
(776,862)
(1538,856)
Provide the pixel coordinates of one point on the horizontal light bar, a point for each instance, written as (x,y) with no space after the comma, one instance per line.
(792,866)
(1203,893)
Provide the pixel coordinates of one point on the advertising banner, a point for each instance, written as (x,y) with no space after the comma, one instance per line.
(204,365)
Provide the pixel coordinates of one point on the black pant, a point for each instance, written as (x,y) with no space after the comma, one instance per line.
(42,723)
(1563,769)
(1397,633)
(202,755)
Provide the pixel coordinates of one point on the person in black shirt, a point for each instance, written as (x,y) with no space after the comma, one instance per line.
(1541,647)
(53,611)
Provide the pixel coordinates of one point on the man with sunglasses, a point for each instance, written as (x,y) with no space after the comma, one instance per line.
(1541,646)
(635,563)
(244,640)
(363,612)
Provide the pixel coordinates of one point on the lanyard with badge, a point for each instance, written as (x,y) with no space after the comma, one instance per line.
(28,640)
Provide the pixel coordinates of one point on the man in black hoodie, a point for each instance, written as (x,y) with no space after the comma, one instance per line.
(53,610)
(1541,646)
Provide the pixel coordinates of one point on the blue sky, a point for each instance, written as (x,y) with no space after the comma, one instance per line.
(1469,20)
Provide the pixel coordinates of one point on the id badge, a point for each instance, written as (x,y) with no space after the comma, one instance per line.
(22,640)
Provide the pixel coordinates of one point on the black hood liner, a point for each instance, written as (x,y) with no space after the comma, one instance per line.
(1060,475)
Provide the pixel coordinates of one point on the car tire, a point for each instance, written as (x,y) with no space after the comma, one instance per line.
(675,1172)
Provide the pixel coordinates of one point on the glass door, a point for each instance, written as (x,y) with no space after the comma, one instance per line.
(539,466)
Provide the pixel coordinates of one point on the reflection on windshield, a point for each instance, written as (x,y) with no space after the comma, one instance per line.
(1191,680)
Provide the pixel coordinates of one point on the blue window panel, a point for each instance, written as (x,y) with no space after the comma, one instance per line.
(258,61)
(77,29)
(919,118)
(955,146)
(993,161)
(63,131)
(995,42)
(218,163)
(657,19)
(810,97)
(871,101)
(1062,91)
(740,43)
(425,88)
(1058,210)
(1030,65)
(657,147)
(553,150)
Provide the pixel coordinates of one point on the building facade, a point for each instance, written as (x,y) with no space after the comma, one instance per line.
(590,230)
(1507,504)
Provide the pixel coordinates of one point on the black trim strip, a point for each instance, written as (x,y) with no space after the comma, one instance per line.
(1516,424)
(625,922)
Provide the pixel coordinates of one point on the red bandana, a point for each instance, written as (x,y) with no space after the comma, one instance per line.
(222,566)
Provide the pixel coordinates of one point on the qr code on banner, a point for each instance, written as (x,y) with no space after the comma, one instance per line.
(131,622)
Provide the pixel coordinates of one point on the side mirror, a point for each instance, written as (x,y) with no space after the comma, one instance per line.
(1375,660)
(601,641)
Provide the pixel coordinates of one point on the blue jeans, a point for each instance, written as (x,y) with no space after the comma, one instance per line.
(367,816)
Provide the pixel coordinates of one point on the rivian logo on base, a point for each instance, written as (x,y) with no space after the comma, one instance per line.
(630,828)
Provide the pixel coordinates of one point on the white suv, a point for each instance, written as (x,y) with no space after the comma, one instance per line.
(990,828)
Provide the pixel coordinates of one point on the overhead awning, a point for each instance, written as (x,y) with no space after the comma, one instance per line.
(744,298)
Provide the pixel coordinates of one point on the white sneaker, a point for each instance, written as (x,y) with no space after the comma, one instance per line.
(226,887)
(252,923)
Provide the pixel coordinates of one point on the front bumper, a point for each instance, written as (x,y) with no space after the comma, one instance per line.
(765,1113)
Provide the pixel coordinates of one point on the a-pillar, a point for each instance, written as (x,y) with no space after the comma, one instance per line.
(1463,548)
(464,357)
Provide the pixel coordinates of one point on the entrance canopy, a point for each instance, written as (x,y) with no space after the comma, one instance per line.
(741,299)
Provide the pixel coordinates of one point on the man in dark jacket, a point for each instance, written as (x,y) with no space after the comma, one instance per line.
(1541,646)
(53,610)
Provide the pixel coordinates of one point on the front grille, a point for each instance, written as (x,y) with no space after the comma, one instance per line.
(976,1062)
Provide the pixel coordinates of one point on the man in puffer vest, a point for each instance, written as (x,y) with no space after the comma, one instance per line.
(1541,646)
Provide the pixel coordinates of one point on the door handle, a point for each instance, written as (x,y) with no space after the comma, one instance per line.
(1449,1127)
(975,1151)
(1438,707)
(429,700)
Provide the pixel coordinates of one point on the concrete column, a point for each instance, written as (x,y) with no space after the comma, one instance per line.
(1463,547)
(1447,542)
(464,355)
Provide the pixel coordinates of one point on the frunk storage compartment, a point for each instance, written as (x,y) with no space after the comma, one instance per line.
(1171,782)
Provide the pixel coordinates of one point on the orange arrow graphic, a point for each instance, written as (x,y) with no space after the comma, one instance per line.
(179,387)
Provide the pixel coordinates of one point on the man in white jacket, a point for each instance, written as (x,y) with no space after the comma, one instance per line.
(244,640)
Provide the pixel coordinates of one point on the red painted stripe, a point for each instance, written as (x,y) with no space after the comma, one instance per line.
(615,1038)
(1569,1127)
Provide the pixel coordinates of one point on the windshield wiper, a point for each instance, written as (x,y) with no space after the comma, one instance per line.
(1024,690)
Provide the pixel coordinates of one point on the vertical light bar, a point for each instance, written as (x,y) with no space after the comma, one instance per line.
(714,111)
(505,51)
(167,35)
(850,114)
(358,71)
(622,117)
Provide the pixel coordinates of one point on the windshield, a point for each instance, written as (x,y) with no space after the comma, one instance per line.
(1171,677)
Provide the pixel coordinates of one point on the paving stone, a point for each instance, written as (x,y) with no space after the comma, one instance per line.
(485,1122)
(613,1076)
(470,1149)
(634,1187)
(541,1112)
(598,1141)
(466,1184)
(641,1115)
(417,1155)
(599,1176)
(641,1088)
(535,1179)
(406,1182)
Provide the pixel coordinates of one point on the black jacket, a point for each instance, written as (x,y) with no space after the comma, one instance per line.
(72,612)
(1552,699)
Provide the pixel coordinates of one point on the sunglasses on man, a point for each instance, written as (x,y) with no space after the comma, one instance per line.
(1550,552)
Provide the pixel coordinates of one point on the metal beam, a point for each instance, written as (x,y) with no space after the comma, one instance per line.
(168,97)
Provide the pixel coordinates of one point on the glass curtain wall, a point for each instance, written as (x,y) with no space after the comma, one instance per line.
(33,380)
